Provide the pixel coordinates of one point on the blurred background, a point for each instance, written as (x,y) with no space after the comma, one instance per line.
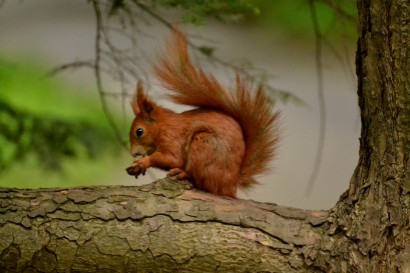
(64,124)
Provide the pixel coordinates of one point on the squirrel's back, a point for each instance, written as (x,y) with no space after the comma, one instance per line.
(190,85)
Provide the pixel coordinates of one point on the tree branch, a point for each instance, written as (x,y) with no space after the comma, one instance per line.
(160,225)
(73,65)
(97,72)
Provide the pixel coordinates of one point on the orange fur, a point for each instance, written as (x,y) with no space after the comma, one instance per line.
(221,145)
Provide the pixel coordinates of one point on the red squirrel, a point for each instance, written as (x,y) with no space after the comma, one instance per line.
(221,145)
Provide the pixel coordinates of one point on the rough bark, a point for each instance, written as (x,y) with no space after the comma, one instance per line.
(371,222)
(166,227)
(158,227)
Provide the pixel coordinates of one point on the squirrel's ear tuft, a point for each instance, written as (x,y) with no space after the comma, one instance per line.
(140,104)
(139,93)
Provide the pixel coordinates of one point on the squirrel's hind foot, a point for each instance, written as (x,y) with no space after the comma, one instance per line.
(178,173)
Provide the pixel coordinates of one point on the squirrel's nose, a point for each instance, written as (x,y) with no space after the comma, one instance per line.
(137,151)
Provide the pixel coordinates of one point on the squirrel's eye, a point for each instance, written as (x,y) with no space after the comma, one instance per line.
(139,132)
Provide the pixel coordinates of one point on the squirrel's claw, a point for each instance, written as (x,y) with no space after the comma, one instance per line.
(130,170)
(135,171)
(138,167)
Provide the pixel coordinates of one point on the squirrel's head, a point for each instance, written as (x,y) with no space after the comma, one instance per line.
(144,127)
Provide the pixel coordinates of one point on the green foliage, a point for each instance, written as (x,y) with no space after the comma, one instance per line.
(40,122)
(50,140)
(295,17)
(197,10)
(115,6)
(335,17)
(24,86)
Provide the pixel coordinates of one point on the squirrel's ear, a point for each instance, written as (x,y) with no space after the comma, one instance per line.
(140,103)
(138,94)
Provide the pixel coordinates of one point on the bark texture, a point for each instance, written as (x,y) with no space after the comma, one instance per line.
(371,227)
(161,227)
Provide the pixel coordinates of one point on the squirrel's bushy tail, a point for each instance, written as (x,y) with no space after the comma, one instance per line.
(192,86)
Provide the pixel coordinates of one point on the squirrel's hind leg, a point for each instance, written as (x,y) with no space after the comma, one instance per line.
(212,165)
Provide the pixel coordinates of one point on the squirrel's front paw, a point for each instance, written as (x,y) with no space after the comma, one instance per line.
(133,171)
(139,167)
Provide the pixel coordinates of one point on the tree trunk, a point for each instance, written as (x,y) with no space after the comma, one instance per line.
(374,215)
(371,224)
(165,227)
